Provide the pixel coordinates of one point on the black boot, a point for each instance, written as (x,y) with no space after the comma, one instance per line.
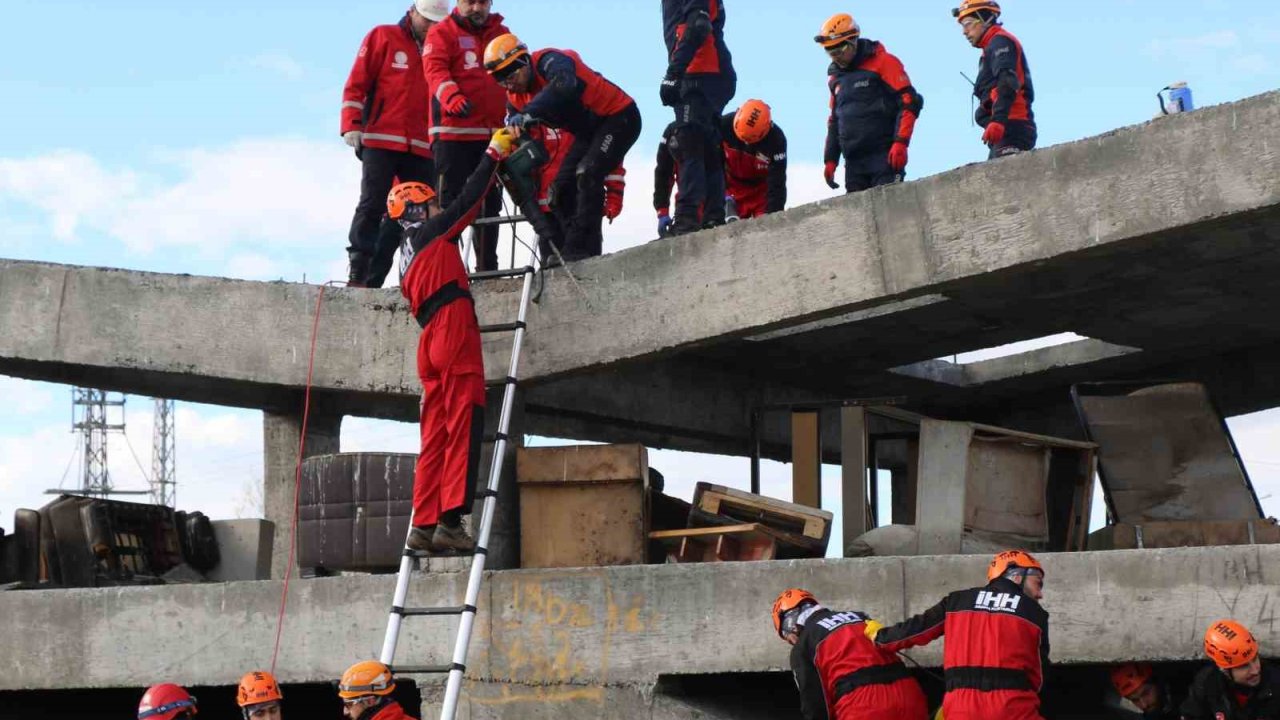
(357,269)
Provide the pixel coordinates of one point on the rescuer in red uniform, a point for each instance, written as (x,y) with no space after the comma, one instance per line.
(557,144)
(840,673)
(466,107)
(384,118)
(557,89)
(365,689)
(1003,88)
(997,647)
(450,364)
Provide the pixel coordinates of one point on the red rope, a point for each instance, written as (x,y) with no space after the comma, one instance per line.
(297,475)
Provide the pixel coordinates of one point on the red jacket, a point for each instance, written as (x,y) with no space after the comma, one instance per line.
(557,144)
(390,711)
(453,61)
(565,93)
(386,94)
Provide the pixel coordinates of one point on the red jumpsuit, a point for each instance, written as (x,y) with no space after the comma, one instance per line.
(996,651)
(843,676)
(390,711)
(450,363)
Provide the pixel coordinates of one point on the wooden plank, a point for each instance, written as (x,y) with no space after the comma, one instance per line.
(1018,435)
(747,507)
(665,535)
(746,542)
(940,501)
(582,463)
(853,473)
(806,458)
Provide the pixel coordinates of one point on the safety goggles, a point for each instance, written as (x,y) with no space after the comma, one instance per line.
(170,707)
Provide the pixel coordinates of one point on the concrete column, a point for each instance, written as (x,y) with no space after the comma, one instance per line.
(281,433)
(504,540)
(940,499)
(853,459)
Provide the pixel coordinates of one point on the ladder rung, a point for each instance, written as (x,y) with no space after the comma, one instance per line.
(432,611)
(502,327)
(513,272)
(424,669)
(507,220)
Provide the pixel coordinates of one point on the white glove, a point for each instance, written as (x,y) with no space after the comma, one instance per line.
(353,138)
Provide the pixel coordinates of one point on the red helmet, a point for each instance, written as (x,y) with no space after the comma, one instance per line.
(166,702)
(1130,677)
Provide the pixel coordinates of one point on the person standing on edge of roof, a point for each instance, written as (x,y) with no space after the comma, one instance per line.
(384,119)
(1003,88)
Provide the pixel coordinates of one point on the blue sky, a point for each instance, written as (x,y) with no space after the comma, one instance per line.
(203,138)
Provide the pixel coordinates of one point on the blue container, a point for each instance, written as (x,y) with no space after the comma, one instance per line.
(1179,99)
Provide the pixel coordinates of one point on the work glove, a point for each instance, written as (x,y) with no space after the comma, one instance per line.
(829,173)
(354,138)
(612,200)
(938,715)
(521,121)
(670,89)
(664,223)
(501,144)
(994,133)
(898,156)
(455,103)
(871,628)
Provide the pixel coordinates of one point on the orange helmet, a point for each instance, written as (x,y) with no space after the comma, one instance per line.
(166,702)
(1009,560)
(753,121)
(257,687)
(970,7)
(1130,677)
(837,30)
(1229,644)
(502,51)
(407,194)
(368,677)
(789,600)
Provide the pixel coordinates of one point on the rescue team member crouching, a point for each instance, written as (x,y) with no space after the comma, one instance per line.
(259,696)
(450,364)
(841,674)
(365,689)
(1003,87)
(1136,682)
(466,107)
(755,166)
(556,88)
(166,701)
(1238,685)
(997,647)
(699,82)
(874,108)
(755,160)
(384,118)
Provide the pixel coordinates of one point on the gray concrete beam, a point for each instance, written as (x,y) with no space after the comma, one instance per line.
(592,627)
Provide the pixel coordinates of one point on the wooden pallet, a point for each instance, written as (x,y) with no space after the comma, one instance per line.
(730,543)
(811,525)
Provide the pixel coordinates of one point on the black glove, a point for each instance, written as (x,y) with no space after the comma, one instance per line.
(670,90)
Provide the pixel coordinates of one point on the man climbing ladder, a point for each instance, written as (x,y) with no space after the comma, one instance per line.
(450,364)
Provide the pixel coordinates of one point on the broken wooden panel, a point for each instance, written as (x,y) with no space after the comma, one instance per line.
(810,526)
(1005,488)
(806,457)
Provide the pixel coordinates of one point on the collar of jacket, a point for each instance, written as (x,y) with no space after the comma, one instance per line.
(992,31)
(1006,585)
(466,26)
(370,713)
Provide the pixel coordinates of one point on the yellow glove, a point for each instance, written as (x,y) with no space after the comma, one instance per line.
(938,715)
(870,628)
(502,143)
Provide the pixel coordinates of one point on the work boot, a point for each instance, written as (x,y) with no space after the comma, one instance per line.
(452,540)
(357,269)
(420,538)
(683,226)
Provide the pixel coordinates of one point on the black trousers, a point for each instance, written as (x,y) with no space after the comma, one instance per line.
(580,183)
(381,169)
(455,161)
(696,147)
(1019,136)
(867,171)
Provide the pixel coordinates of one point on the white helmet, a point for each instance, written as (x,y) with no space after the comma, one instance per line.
(433,10)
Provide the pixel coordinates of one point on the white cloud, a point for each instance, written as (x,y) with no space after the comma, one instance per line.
(1215,40)
(23,397)
(250,194)
(252,266)
(277,62)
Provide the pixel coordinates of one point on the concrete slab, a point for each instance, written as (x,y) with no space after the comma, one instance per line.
(568,631)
